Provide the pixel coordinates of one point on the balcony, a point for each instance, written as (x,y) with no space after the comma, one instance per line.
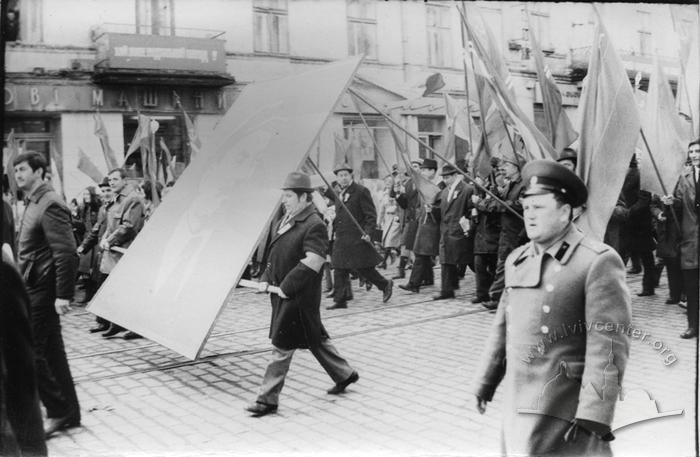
(190,57)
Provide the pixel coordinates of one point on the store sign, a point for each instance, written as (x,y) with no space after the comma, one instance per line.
(58,98)
(131,51)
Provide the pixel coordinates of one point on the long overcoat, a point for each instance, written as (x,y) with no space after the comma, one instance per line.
(560,343)
(685,194)
(296,321)
(640,230)
(488,226)
(409,201)
(455,247)
(349,250)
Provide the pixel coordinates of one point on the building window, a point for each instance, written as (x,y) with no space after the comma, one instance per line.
(271,26)
(25,21)
(155,17)
(430,133)
(644,32)
(439,34)
(362,28)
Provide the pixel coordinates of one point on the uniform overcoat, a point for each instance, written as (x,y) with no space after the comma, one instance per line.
(560,343)
(455,247)
(296,321)
(349,250)
(685,194)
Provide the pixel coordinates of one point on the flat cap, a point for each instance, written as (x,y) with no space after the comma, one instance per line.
(547,176)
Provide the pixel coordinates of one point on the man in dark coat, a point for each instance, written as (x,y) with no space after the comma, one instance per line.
(454,206)
(297,253)
(560,339)
(48,263)
(21,430)
(668,251)
(687,195)
(512,227)
(427,240)
(640,239)
(487,223)
(352,248)
(408,199)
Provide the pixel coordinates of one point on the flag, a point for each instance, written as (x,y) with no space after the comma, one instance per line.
(57,172)
(688,90)
(192,137)
(664,133)
(433,83)
(88,167)
(490,66)
(141,136)
(608,133)
(557,126)
(101,132)
(341,150)
(13,152)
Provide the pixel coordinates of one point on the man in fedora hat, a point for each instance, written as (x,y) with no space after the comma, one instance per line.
(352,247)
(427,240)
(297,253)
(454,207)
(561,377)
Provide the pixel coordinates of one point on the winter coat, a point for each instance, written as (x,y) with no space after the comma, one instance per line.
(668,236)
(455,247)
(487,224)
(685,194)
(410,202)
(553,366)
(296,321)
(640,232)
(125,218)
(350,251)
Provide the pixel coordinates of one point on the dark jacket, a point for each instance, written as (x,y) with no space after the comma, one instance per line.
(296,321)
(349,250)
(487,224)
(46,250)
(512,228)
(427,240)
(640,233)
(668,235)
(19,399)
(410,202)
(455,247)
(617,220)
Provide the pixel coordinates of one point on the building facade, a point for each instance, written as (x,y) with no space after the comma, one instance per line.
(67,60)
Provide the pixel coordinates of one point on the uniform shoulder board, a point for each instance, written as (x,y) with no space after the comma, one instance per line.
(562,251)
(595,246)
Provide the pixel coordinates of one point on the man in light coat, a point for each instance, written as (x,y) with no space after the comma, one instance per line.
(560,339)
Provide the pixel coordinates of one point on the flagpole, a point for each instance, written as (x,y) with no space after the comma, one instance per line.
(337,198)
(658,175)
(466,88)
(440,156)
(371,135)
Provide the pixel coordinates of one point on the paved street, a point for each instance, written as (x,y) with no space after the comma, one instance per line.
(416,359)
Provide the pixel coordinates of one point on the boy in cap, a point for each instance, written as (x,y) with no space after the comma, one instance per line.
(556,283)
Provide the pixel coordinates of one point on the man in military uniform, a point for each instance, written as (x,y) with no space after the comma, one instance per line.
(560,337)
(352,249)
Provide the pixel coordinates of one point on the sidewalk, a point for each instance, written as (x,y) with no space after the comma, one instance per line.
(416,359)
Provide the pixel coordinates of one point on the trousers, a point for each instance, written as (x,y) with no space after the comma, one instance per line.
(276,372)
(690,285)
(422,271)
(342,290)
(484,273)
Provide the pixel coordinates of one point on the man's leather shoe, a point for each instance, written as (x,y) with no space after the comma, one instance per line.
(646,293)
(444,296)
(113,330)
(261,409)
(132,336)
(388,290)
(689,333)
(99,328)
(409,288)
(683,304)
(340,387)
(56,424)
(634,271)
(337,306)
(490,304)
(672,301)
(478,300)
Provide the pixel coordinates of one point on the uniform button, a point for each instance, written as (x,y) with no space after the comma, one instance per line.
(544,329)
(546,308)
(549,287)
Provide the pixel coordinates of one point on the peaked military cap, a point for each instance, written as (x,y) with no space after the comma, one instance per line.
(546,176)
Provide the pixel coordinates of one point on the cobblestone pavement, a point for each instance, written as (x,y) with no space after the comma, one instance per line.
(416,359)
